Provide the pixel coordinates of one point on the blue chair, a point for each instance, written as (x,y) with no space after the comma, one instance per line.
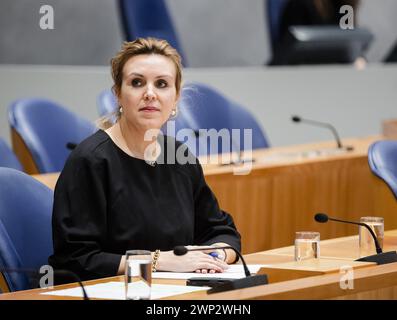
(25,226)
(106,103)
(382,159)
(149,18)
(8,158)
(206,108)
(41,132)
(273,12)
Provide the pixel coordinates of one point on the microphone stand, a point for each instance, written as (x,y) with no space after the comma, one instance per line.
(238,151)
(71,145)
(36,274)
(247,282)
(380,257)
(298,119)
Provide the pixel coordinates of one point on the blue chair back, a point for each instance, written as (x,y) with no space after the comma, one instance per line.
(149,18)
(274,10)
(206,108)
(46,128)
(25,226)
(382,159)
(106,103)
(8,158)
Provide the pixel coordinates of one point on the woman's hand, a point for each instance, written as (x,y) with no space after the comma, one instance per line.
(192,261)
(219,255)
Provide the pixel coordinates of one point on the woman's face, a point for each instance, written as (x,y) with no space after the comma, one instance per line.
(148,92)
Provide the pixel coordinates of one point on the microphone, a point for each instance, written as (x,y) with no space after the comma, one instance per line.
(380,257)
(239,152)
(247,282)
(323,218)
(60,272)
(71,145)
(298,119)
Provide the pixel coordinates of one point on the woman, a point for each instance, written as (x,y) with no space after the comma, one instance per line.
(112,196)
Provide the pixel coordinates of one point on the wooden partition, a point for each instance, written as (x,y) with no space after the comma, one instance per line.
(379,282)
(23,154)
(288,185)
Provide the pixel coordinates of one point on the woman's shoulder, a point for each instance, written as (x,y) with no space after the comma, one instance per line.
(86,159)
(91,148)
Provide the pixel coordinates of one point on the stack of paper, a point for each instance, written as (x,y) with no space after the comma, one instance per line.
(116,290)
(235,271)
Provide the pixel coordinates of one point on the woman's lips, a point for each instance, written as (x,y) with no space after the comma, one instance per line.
(149,109)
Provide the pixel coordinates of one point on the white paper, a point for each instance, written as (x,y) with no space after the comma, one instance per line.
(116,290)
(235,271)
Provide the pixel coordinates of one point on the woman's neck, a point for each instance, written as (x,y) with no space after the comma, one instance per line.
(132,141)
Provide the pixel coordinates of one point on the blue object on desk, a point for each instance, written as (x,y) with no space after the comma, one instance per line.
(214,254)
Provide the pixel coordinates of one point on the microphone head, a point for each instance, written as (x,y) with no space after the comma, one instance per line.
(321,217)
(180,250)
(71,145)
(296,119)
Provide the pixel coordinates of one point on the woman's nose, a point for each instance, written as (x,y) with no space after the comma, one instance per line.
(149,94)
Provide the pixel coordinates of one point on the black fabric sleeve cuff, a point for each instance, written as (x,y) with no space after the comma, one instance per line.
(230,240)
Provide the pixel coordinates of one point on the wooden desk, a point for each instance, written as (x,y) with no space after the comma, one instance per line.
(370,281)
(49,179)
(286,188)
(288,185)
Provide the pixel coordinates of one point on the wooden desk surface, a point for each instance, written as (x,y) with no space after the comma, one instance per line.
(294,155)
(371,281)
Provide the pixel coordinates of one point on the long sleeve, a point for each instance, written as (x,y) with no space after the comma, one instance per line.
(212,225)
(80,222)
(106,202)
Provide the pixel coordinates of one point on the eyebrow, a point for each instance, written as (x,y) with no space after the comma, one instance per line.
(142,76)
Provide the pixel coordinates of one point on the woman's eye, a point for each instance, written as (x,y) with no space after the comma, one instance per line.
(136,82)
(161,83)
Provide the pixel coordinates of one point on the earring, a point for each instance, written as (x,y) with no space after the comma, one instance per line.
(120,109)
(173,113)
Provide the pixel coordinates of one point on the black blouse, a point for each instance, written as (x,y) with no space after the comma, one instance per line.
(107,202)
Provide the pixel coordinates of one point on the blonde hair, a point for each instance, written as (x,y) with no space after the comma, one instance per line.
(131,49)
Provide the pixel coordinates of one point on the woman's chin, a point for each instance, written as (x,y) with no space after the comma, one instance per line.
(151,124)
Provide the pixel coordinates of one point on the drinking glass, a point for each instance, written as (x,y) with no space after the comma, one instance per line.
(367,244)
(138,275)
(307,245)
